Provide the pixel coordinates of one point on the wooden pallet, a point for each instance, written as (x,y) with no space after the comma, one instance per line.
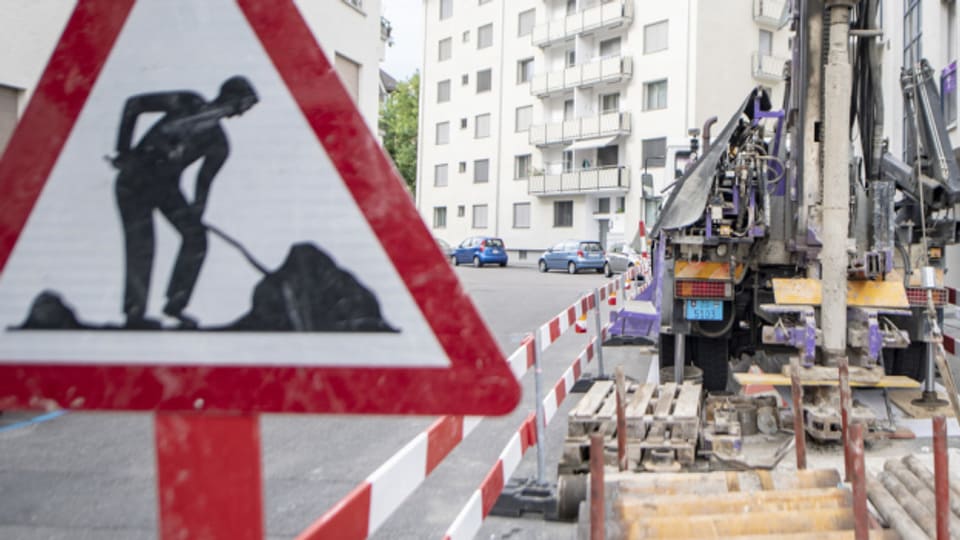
(659,419)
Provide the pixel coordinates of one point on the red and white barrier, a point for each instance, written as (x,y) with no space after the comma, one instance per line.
(468,521)
(363,510)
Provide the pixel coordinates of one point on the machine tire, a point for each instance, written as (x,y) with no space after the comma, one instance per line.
(910,362)
(542,265)
(571,268)
(476,262)
(571,491)
(713,357)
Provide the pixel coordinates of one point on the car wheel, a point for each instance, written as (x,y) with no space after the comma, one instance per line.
(476,262)
(542,265)
(606,270)
(454,261)
(571,268)
(502,264)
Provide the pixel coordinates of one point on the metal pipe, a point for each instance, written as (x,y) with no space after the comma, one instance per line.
(845,406)
(799,432)
(597,517)
(923,491)
(920,514)
(929,384)
(621,419)
(679,357)
(541,415)
(920,471)
(892,512)
(941,474)
(859,484)
(835,216)
(599,328)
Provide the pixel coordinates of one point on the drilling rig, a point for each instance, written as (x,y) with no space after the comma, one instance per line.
(797,236)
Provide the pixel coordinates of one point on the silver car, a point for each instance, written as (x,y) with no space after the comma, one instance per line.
(620,257)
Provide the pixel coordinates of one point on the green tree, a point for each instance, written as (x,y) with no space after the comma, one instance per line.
(398,120)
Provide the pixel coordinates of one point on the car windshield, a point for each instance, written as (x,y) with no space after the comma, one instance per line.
(591,246)
(494,242)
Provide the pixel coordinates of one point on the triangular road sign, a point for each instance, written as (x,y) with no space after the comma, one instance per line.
(193,215)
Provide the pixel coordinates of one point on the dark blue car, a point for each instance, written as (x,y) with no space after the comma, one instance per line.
(480,250)
(573,256)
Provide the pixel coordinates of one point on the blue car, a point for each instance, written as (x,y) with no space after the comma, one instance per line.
(573,256)
(480,250)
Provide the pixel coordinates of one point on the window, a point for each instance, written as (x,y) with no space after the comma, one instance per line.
(463,123)
(525,22)
(461,211)
(462,167)
(766,43)
(481,171)
(484,80)
(439,217)
(563,213)
(521,215)
(465,79)
(521,166)
(912,52)
(482,2)
(621,205)
(610,48)
(479,216)
(655,95)
(446,9)
(524,116)
(440,175)
(349,72)
(9,97)
(608,156)
(524,70)
(443,91)
(481,126)
(568,161)
(609,103)
(466,36)
(571,57)
(654,152)
(655,37)
(443,132)
(485,36)
(571,7)
(444,49)
(603,205)
(948,92)
(568,110)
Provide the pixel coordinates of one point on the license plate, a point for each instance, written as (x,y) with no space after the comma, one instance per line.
(704,310)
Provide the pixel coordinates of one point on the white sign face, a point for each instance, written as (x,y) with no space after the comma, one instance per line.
(275,193)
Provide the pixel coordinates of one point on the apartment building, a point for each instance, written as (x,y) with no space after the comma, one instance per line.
(351,32)
(540,119)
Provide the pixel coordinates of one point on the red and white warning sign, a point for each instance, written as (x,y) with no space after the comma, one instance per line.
(193,214)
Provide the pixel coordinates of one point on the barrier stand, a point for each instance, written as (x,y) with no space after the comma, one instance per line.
(208,476)
(598,327)
(526,495)
(941,476)
(597,517)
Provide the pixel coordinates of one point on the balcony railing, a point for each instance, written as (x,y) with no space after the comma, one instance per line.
(585,180)
(768,12)
(599,71)
(607,15)
(616,123)
(768,68)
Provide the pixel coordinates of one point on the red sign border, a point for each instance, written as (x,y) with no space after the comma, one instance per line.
(478,380)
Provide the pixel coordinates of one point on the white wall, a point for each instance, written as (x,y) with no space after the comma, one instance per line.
(29,30)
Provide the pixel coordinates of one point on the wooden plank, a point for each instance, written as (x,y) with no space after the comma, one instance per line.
(592,400)
(732,503)
(826,373)
(637,410)
(774,379)
(688,402)
(715,526)
(665,400)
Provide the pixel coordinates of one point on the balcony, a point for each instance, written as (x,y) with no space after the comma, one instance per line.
(615,179)
(609,15)
(606,70)
(768,12)
(768,68)
(604,125)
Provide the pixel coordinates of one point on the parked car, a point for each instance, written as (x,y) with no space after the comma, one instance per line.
(620,258)
(480,250)
(573,256)
(444,248)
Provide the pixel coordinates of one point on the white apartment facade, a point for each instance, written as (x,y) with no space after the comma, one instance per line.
(352,33)
(538,118)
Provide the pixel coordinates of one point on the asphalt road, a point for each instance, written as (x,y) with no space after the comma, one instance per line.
(92,475)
